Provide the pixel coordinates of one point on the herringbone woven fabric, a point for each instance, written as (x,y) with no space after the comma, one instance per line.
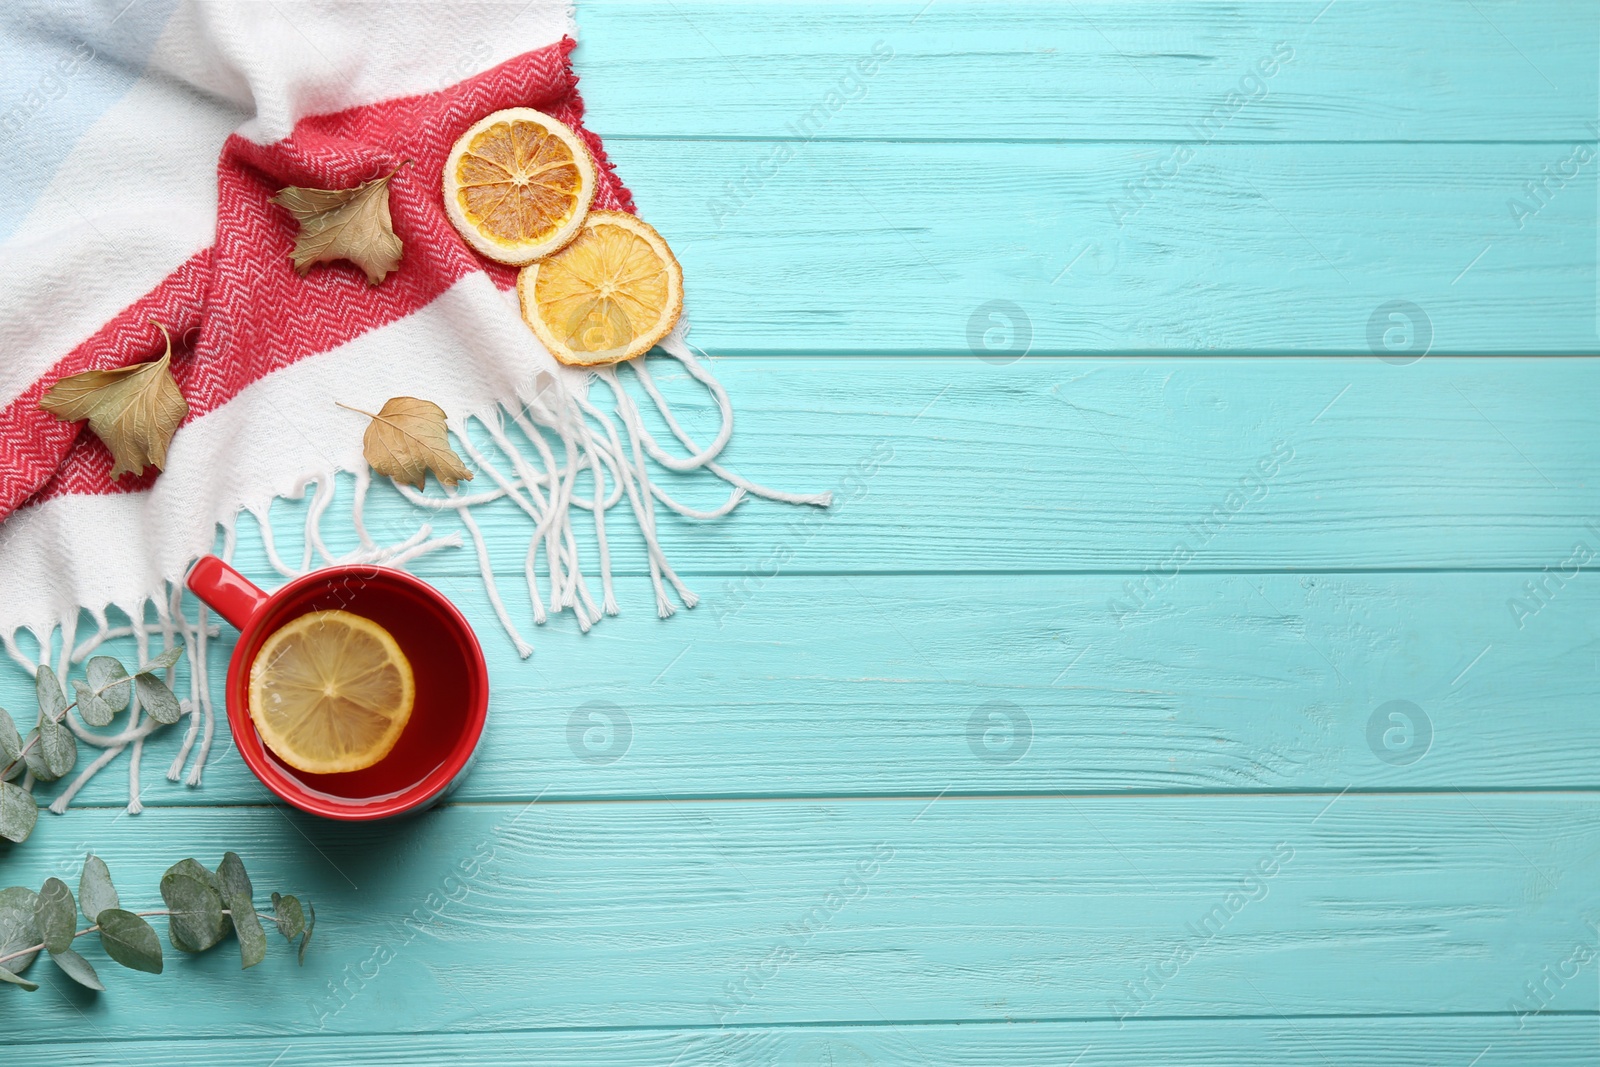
(131,203)
(238,100)
(126,204)
(239,310)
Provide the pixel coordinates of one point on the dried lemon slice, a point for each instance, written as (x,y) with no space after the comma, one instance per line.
(330,692)
(608,296)
(518,184)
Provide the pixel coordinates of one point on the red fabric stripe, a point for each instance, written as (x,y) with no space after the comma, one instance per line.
(259,316)
(33,444)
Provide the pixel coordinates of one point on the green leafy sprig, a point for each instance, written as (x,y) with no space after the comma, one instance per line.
(202,908)
(50,751)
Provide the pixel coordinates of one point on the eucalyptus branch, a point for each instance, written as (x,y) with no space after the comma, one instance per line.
(203,907)
(30,951)
(33,738)
(50,750)
(40,947)
(91,929)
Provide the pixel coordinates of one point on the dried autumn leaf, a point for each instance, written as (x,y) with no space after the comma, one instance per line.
(407,439)
(352,224)
(135,410)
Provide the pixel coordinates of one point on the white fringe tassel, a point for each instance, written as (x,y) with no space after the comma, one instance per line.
(173,625)
(543,489)
(590,441)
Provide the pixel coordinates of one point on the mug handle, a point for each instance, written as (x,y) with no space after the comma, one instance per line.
(225,590)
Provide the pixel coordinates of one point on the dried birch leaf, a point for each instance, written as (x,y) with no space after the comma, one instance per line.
(352,224)
(135,410)
(407,439)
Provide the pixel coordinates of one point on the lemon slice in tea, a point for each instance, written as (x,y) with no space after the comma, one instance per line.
(517,185)
(330,692)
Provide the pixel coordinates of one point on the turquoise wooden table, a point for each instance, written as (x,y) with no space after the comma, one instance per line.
(1200,663)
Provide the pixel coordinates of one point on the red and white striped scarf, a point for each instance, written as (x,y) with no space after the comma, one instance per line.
(160,211)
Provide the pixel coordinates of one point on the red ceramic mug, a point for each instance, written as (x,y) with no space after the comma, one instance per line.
(452,683)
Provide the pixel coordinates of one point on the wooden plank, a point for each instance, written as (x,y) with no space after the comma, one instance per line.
(1500,1041)
(514,916)
(532,930)
(1123,248)
(816,686)
(1091,465)
(1095,69)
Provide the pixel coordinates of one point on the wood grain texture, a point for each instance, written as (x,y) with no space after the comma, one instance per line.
(519,916)
(929,685)
(821,840)
(1271,249)
(1362,70)
(1542,1041)
(944,465)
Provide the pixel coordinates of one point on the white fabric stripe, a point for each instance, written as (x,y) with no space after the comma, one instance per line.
(134,199)
(137,195)
(310,57)
(466,351)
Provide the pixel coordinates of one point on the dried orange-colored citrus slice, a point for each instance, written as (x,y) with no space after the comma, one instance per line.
(518,184)
(330,692)
(608,296)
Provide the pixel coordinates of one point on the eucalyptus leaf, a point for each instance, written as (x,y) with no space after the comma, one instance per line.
(14,979)
(95,711)
(288,915)
(19,927)
(311,923)
(52,701)
(237,895)
(158,699)
(163,661)
(196,920)
(130,940)
(54,912)
(54,752)
(33,757)
(60,747)
(10,740)
(18,812)
(76,968)
(95,891)
(193,868)
(109,678)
